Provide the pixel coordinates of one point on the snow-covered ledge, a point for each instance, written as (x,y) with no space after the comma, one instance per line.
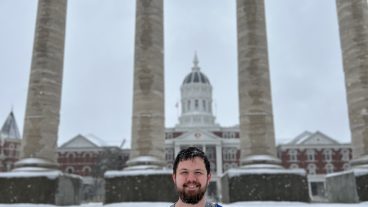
(145,163)
(260,169)
(146,172)
(35,164)
(261,161)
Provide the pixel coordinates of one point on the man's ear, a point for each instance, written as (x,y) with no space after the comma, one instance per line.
(173,177)
(209,177)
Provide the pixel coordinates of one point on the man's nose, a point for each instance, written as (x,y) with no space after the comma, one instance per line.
(191,177)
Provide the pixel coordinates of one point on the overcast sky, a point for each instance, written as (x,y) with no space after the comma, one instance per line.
(307,77)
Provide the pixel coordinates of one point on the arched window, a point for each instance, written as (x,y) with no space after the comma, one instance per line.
(188,105)
(329,168)
(312,169)
(204,105)
(346,166)
(69,170)
(294,166)
(196,104)
(234,165)
(86,171)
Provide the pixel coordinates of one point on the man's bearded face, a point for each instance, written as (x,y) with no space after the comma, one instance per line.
(191,180)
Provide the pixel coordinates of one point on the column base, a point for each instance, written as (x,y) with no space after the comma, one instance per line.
(139,186)
(348,187)
(260,184)
(266,161)
(144,162)
(34,164)
(41,187)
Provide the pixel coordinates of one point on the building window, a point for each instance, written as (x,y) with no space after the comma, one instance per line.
(69,170)
(312,169)
(328,155)
(310,155)
(293,155)
(11,146)
(213,167)
(188,105)
(204,105)
(169,154)
(196,104)
(226,166)
(329,168)
(294,166)
(345,155)
(346,166)
(86,171)
(229,154)
(70,157)
(8,166)
(210,152)
(87,157)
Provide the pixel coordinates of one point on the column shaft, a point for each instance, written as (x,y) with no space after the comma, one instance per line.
(148,136)
(255,104)
(44,91)
(353,27)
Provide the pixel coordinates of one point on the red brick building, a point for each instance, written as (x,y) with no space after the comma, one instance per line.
(319,155)
(88,155)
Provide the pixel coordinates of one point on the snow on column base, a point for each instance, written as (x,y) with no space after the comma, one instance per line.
(144,162)
(261,161)
(35,164)
(361,162)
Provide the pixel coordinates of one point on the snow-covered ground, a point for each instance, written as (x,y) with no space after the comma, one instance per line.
(238,204)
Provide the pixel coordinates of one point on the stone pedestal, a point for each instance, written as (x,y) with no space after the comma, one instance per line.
(348,187)
(139,186)
(48,187)
(264,185)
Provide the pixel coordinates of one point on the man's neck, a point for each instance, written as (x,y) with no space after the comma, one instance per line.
(201,203)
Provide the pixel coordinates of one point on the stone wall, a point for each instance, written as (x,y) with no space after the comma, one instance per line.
(63,190)
(134,188)
(264,187)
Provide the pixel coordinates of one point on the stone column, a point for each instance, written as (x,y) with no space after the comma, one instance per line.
(44,91)
(353,26)
(148,136)
(257,139)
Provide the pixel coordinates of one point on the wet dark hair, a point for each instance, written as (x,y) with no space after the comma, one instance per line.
(189,154)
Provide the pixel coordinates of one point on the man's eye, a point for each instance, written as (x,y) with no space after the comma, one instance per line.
(184,173)
(198,173)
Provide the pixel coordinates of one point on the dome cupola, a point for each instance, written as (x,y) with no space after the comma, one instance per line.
(196,76)
(196,100)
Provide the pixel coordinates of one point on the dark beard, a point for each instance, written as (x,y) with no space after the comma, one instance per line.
(192,198)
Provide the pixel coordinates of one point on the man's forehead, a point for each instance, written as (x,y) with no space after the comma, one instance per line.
(192,162)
